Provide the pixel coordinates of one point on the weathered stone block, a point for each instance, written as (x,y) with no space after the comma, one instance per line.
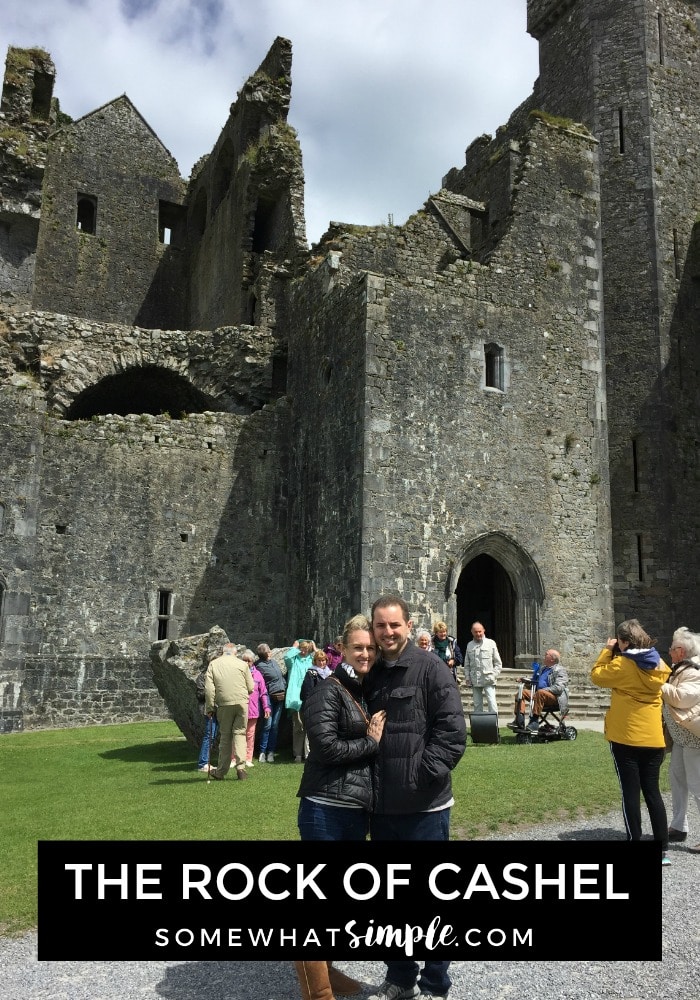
(176,664)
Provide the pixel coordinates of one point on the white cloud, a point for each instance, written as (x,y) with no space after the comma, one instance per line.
(385,96)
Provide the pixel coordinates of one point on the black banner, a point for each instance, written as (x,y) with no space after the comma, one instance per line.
(248,900)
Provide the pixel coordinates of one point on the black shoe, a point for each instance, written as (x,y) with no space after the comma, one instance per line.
(676,835)
(533,726)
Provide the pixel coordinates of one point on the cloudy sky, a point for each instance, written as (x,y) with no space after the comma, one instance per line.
(386,94)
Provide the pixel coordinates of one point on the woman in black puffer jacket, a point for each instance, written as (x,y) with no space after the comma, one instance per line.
(336,787)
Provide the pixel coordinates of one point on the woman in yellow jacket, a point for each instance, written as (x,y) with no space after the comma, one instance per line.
(634,671)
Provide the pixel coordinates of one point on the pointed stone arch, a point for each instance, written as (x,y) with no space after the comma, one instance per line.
(514,576)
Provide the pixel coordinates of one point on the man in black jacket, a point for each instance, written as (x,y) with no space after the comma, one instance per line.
(424,738)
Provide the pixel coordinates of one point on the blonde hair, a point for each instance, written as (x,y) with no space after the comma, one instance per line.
(440,627)
(358,623)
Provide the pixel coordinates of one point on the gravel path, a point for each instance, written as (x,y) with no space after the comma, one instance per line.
(677,977)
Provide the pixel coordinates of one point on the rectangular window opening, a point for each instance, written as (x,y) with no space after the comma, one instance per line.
(493,367)
(164,604)
(171,224)
(660,23)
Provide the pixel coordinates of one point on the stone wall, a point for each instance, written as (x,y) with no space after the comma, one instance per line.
(134,525)
(104,519)
(116,266)
(326,386)
(448,461)
(66,690)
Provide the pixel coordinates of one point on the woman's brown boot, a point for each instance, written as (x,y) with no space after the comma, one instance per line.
(313,980)
(341,984)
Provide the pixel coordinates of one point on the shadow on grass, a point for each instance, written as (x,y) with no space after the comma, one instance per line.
(168,753)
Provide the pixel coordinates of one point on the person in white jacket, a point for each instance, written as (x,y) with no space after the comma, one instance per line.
(681,698)
(482,665)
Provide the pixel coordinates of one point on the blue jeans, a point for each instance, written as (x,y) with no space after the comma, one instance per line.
(412,826)
(268,737)
(211,731)
(415,826)
(319,822)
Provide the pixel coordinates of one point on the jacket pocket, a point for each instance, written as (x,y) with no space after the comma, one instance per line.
(401,705)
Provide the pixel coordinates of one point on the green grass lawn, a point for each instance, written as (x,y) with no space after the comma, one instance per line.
(139,782)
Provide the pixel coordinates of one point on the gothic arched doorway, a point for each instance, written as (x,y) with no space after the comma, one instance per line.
(485,593)
(497,583)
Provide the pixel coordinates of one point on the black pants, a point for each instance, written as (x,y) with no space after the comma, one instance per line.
(638,773)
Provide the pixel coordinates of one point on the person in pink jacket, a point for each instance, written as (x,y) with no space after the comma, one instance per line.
(258,703)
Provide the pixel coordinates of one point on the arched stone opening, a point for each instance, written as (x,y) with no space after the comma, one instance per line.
(497,583)
(149,389)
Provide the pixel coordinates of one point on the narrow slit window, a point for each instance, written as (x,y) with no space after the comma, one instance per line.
(640,559)
(676,254)
(635,465)
(621,130)
(86,218)
(660,24)
(164,612)
(493,367)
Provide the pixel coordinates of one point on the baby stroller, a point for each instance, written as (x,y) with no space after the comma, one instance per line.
(546,731)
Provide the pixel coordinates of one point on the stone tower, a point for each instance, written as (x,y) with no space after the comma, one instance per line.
(630,71)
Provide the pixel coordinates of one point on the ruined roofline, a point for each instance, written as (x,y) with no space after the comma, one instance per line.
(107,104)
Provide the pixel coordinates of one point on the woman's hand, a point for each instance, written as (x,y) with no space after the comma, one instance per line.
(376,725)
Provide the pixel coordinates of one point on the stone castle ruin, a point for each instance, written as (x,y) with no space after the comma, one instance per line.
(490,409)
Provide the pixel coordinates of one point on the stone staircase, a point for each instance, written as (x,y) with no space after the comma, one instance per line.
(585,700)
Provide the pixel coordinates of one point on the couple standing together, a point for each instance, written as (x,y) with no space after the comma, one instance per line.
(385,732)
